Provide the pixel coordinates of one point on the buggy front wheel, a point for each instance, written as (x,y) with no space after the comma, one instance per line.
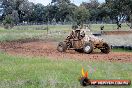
(62,47)
(88,48)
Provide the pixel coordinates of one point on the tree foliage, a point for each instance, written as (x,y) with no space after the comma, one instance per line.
(120,9)
(81,15)
(63,11)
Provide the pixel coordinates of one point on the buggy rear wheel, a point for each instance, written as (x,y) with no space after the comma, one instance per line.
(106,49)
(62,47)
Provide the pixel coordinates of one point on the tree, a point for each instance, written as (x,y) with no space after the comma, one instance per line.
(38,13)
(104,13)
(120,9)
(26,11)
(92,6)
(81,15)
(65,11)
(8,21)
(12,5)
(12,10)
(15,17)
(51,13)
(60,10)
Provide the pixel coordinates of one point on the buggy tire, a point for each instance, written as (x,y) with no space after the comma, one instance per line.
(106,49)
(62,47)
(88,48)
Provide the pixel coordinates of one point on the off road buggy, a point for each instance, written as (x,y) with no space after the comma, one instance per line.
(82,43)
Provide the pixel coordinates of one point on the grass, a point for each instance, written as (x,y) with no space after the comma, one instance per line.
(94,27)
(121,50)
(42,72)
(58,32)
(23,32)
(108,27)
(9,35)
(42,27)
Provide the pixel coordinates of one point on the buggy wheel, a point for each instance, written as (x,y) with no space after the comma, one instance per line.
(88,48)
(106,49)
(61,47)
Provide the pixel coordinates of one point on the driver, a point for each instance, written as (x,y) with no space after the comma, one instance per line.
(77,32)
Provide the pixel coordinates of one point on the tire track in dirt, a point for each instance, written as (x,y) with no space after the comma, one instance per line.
(42,48)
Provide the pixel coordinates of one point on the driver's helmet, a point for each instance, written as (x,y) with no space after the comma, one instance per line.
(74,27)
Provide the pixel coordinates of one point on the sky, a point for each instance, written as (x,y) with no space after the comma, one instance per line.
(46,2)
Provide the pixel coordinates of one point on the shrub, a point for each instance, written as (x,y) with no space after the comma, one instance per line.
(8,22)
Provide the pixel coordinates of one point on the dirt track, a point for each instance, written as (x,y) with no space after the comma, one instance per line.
(41,48)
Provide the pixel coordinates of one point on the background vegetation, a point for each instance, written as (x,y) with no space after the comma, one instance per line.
(64,12)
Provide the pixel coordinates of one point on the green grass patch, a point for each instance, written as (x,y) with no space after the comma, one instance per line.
(41,72)
(42,27)
(57,31)
(13,34)
(108,27)
(121,50)
(34,31)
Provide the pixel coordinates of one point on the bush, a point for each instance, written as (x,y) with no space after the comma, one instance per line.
(8,22)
